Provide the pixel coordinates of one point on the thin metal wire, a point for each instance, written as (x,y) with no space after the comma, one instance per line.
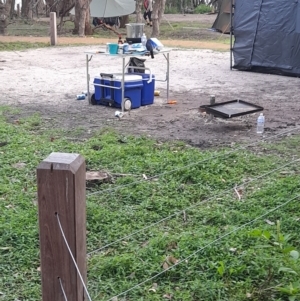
(74,261)
(191,164)
(191,207)
(62,288)
(201,249)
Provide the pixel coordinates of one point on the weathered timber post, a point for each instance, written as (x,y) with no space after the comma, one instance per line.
(53,29)
(61,193)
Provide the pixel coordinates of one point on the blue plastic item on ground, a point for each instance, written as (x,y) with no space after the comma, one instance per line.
(133,85)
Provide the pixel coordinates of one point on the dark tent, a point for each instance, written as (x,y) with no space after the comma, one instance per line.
(267,36)
(222,22)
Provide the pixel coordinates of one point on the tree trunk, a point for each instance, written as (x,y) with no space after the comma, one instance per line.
(182,6)
(157,13)
(4,16)
(138,11)
(41,7)
(66,6)
(30,12)
(12,9)
(25,8)
(124,21)
(88,28)
(162,10)
(81,6)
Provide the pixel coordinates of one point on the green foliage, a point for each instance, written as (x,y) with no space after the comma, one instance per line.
(288,268)
(202,9)
(213,258)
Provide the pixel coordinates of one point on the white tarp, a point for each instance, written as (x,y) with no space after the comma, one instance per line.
(110,8)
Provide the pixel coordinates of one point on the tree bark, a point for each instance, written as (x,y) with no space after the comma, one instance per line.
(41,7)
(157,13)
(88,28)
(162,10)
(81,8)
(138,11)
(30,12)
(4,16)
(12,9)
(124,21)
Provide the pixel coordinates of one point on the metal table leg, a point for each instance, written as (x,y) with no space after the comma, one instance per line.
(168,74)
(122,84)
(88,78)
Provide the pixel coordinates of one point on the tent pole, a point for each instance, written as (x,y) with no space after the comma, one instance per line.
(231,8)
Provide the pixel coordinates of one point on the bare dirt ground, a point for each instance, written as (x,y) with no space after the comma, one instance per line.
(47,81)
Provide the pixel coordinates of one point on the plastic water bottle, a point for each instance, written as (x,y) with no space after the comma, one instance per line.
(260,123)
(144,40)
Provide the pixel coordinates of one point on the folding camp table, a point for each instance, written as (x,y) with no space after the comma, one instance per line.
(89,55)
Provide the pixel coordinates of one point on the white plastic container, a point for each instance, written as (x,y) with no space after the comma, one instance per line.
(260,124)
(157,44)
(144,40)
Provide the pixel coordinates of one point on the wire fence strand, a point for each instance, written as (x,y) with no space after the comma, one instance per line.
(73,259)
(192,164)
(191,207)
(206,246)
(62,289)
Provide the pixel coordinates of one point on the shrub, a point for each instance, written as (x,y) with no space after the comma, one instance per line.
(171,10)
(202,9)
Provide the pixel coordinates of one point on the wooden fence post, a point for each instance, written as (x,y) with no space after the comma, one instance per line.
(53,29)
(61,191)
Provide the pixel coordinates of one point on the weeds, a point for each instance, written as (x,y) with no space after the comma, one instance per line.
(193,194)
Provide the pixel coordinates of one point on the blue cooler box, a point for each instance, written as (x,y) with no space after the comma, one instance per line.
(148,89)
(133,85)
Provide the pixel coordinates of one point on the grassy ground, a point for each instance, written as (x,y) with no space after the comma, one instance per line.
(214,243)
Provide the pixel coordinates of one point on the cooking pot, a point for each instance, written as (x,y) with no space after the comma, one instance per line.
(135,30)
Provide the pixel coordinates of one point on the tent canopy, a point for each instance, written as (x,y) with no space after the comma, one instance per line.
(222,22)
(110,8)
(267,36)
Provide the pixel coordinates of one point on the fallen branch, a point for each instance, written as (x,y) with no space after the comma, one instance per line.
(107,27)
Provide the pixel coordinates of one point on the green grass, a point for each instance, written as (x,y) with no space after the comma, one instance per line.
(17,46)
(256,262)
(28,28)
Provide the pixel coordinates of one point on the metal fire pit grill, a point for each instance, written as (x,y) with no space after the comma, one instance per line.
(232,108)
